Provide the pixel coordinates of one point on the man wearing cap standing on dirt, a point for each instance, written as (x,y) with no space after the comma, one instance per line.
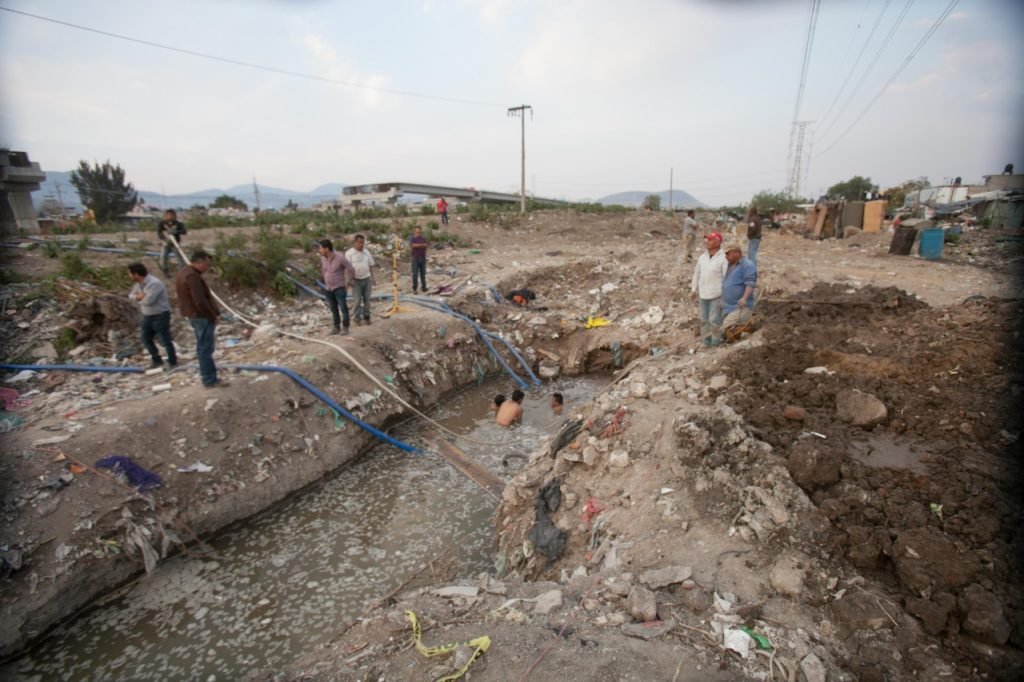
(197,304)
(338,274)
(706,288)
(362,286)
(689,234)
(737,291)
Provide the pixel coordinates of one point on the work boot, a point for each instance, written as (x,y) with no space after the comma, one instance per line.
(156,364)
(219,383)
(345,332)
(367,322)
(334,332)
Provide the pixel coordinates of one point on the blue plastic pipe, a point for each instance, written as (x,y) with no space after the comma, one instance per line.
(326,399)
(294,376)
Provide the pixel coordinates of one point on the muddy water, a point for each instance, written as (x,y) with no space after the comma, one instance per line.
(285,582)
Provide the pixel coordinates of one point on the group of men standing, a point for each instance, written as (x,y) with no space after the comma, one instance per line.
(723,285)
(341,272)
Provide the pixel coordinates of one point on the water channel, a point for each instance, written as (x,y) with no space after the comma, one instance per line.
(290,579)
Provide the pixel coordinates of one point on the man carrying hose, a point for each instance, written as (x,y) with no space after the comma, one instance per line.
(171,226)
(197,304)
(338,274)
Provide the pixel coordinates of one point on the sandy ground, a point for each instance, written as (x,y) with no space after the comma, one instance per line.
(876,551)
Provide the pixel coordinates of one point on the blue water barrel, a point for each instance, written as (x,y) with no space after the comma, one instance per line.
(931,243)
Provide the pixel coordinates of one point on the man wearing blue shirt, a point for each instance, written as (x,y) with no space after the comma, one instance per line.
(737,290)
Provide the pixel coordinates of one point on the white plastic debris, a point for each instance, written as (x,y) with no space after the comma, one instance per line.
(738,641)
(197,468)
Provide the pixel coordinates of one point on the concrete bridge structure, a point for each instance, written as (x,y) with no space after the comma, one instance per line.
(389,193)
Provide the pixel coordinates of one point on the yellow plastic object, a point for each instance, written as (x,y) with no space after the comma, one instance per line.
(480,644)
(593,322)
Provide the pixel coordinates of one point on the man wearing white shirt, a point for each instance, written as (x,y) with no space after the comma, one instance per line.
(706,288)
(362,286)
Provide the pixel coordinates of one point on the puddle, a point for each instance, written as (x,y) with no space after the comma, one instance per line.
(287,581)
(887,453)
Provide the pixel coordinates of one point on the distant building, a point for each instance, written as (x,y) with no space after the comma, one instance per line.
(19,177)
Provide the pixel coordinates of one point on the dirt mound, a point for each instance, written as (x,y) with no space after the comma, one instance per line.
(924,495)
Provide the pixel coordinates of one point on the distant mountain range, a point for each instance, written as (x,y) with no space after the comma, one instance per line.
(680,199)
(270,197)
(58,185)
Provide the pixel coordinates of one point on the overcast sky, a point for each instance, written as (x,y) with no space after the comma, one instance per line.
(621,92)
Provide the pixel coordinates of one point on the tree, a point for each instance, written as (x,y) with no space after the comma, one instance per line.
(228,201)
(652,202)
(898,194)
(102,188)
(854,189)
(767,200)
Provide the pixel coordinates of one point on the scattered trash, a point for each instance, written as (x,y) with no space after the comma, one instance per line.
(154,371)
(594,322)
(609,287)
(479,646)
(545,535)
(231,343)
(10,422)
(77,468)
(197,468)
(160,388)
(52,441)
(818,370)
(653,316)
(591,509)
(23,375)
(738,640)
(936,509)
(136,475)
(762,642)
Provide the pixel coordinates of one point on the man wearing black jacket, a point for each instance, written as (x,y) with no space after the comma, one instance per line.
(170,225)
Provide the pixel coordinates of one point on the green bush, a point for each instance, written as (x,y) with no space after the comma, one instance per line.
(65,341)
(284,286)
(52,249)
(427,209)
(73,267)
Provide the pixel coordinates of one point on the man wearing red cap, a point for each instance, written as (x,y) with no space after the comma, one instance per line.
(706,287)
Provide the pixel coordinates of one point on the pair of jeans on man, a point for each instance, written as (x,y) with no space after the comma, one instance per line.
(337,301)
(159,326)
(419,267)
(205,345)
(711,321)
(361,290)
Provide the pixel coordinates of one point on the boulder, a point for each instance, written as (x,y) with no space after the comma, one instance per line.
(932,614)
(859,408)
(794,413)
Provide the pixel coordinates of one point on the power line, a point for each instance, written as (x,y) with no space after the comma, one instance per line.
(874,60)
(812,24)
(250,65)
(892,79)
(796,134)
(856,62)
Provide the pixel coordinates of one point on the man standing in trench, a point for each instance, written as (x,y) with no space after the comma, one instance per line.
(706,288)
(151,295)
(362,286)
(197,304)
(338,274)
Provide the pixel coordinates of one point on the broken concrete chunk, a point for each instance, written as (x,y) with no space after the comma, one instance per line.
(662,577)
(787,575)
(648,631)
(548,602)
(661,392)
(641,604)
(638,389)
(718,382)
(463,591)
(813,669)
(618,459)
(859,408)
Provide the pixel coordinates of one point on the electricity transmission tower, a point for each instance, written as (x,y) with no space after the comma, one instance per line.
(520,111)
(799,133)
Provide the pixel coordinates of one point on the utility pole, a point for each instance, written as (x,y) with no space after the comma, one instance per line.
(256,191)
(670,172)
(520,111)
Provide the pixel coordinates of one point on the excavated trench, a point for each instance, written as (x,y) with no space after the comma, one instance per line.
(283,583)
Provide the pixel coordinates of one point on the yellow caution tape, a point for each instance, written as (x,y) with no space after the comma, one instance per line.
(596,322)
(480,644)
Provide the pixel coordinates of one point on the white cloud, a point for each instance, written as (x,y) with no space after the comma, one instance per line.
(337,67)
